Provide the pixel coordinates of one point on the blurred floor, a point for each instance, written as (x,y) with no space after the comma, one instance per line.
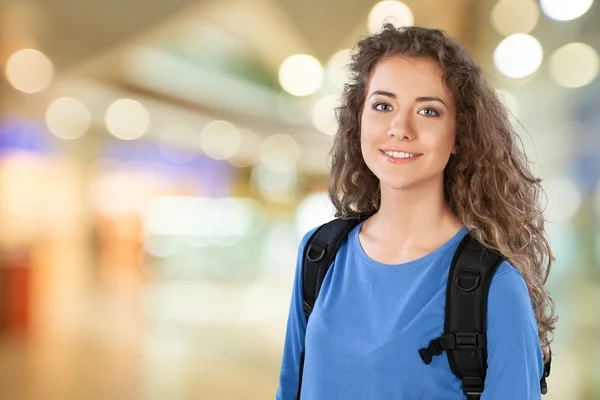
(118,352)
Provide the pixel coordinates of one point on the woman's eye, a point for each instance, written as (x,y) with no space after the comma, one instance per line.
(429,112)
(382,107)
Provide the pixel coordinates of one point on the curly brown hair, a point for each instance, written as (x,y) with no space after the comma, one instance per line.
(488,184)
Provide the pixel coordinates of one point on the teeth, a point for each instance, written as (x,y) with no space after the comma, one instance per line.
(399,154)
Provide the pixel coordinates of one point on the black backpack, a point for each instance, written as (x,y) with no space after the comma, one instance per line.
(464,338)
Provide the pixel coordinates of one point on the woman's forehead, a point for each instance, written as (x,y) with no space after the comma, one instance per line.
(411,76)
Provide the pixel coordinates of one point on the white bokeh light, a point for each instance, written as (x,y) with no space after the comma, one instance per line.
(29,71)
(337,68)
(278,186)
(162,245)
(518,56)
(127,119)
(68,118)
(515,16)
(279,247)
(314,210)
(249,151)
(574,65)
(564,199)
(220,139)
(301,75)
(279,153)
(394,12)
(201,216)
(565,10)
(323,114)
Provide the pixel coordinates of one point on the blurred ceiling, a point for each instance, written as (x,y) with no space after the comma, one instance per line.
(209,59)
(71,32)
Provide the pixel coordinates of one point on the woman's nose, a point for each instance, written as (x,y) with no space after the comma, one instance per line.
(401,127)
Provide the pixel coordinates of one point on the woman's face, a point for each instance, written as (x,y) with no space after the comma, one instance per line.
(408,123)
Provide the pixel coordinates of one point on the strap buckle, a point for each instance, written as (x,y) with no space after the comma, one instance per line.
(466,340)
(435,349)
(472,386)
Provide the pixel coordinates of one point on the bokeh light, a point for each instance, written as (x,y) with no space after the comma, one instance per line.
(518,55)
(249,151)
(275,185)
(515,16)
(574,65)
(202,216)
(162,245)
(280,153)
(564,198)
(323,114)
(220,139)
(279,248)
(29,71)
(565,10)
(394,12)
(127,119)
(68,118)
(314,210)
(337,68)
(301,75)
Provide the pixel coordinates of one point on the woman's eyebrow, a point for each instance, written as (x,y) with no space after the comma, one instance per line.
(419,99)
(430,98)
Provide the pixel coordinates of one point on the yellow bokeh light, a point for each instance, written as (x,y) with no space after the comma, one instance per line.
(515,16)
(574,65)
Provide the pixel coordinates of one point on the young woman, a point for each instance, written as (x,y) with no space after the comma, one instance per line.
(424,147)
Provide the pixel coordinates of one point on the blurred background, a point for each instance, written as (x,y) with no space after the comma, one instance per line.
(160,161)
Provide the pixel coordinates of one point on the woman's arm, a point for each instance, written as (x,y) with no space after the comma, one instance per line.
(515,362)
(294,337)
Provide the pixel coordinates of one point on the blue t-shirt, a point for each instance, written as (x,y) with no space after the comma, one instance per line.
(370,320)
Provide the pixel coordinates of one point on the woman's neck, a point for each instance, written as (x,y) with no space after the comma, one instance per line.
(412,219)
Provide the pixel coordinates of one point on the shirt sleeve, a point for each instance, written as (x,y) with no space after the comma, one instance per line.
(294,337)
(515,361)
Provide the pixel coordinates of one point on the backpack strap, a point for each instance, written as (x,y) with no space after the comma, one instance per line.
(318,255)
(464,339)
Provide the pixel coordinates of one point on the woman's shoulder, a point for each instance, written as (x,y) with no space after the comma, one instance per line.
(506,268)
(508,272)
(509,287)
